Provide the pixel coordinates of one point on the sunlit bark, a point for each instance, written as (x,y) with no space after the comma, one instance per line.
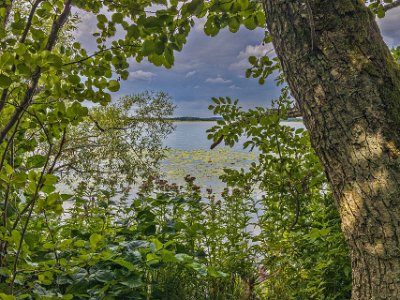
(347,86)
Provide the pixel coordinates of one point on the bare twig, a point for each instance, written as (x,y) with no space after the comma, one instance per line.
(60,150)
(10,141)
(297,212)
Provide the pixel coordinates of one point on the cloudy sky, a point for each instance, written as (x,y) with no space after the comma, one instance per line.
(212,67)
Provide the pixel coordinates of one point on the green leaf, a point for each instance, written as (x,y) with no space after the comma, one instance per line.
(37,34)
(16,236)
(157,244)
(148,47)
(19,25)
(21,49)
(132,282)
(95,238)
(117,17)
(6,297)
(5,81)
(103,276)
(79,274)
(124,263)
(213,272)
(184,258)
(195,6)
(113,86)
(169,57)
(250,23)
(50,179)
(380,12)
(53,199)
(101,18)
(234,24)
(159,48)
(152,22)
(210,28)
(260,19)
(74,79)
(36,161)
(79,243)
(252,60)
(151,257)
(168,256)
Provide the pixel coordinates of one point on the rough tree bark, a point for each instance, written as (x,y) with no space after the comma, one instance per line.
(348,88)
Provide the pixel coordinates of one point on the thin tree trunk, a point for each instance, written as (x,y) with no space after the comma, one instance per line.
(35,77)
(348,88)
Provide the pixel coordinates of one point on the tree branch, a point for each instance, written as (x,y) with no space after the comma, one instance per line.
(29,22)
(292,113)
(67,166)
(96,123)
(8,11)
(98,53)
(33,83)
(22,40)
(8,145)
(391,5)
(59,152)
(31,203)
(297,212)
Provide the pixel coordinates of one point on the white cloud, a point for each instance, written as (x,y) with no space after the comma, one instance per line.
(234,87)
(257,51)
(199,24)
(390,27)
(141,75)
(196,86)
(86,26)
(218,79)
(189,74)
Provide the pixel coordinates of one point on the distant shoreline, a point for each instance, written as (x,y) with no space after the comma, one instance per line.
(192,119)
(215,119)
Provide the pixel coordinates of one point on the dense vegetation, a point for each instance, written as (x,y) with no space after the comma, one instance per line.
(85,212)
(272,233)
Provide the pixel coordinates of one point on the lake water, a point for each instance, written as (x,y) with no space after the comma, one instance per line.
(193,136)
(190,154)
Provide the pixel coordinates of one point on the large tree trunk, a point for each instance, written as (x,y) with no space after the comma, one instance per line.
(348,88)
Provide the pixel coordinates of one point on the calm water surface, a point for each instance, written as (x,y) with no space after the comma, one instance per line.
(190,154)
(193,136)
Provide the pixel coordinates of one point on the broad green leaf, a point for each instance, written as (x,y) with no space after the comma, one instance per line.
(74,79)
(133,281)
(113,86)
(148,47)
(5,81)
(6,297)
(124,263)
(36,161)
(101,18)
(95,239)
